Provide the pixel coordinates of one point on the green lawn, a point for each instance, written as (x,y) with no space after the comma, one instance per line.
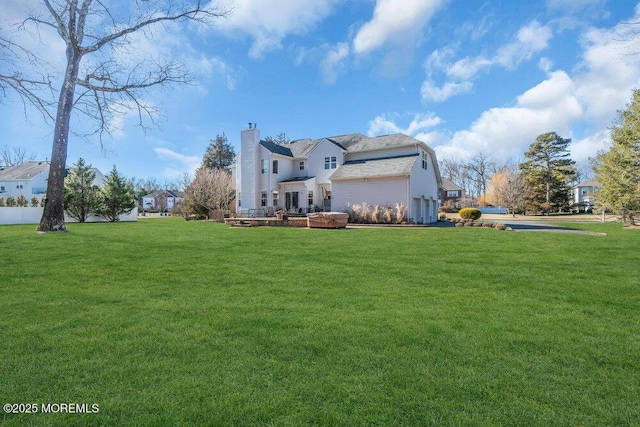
(166,322)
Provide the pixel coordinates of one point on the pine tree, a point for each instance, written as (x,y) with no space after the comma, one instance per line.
(548,173)
(81,196)
(280,139)
(117,197)
(219,155)
(618,170)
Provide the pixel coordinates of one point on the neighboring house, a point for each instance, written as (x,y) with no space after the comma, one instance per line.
(336,172)
(450,193)
(28,179)
(163,200)
(583,195)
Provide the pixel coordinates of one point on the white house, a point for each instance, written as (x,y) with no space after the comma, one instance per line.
(163,200)
(583,194)
(335,172)
(28,179)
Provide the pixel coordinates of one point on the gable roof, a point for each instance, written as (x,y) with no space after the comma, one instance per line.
(22,172)
(591,182)
(375,168)
(450,186)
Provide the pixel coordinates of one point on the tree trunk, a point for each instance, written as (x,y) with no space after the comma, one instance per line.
(53,214)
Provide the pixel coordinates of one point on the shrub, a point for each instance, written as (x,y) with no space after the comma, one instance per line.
(470,213)
(11,201)
(22,201)
(1,201)
(375,216)
(34,202)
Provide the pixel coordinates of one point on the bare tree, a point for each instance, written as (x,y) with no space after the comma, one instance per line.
(97,80)
(508,189)
(14,156)
(35,89)
(481,168)
(212,189)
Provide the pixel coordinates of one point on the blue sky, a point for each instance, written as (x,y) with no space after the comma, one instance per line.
(464,76)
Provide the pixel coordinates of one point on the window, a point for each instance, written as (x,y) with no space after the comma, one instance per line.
(2,190)
(263,198)
(275,166)
(310,198)
(19,186)
(274,197)
(264,166)
(452,193)
(425,160)
(301,166)
(330,162)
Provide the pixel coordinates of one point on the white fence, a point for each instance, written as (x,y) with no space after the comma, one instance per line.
(492,210)
(32,216)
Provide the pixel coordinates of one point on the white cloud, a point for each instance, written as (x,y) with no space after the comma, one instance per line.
(269,22)
(588,147)
(421,122)
(177,164)
(395,22)
(530,40)
(609,70)
(333,62)
(432,93)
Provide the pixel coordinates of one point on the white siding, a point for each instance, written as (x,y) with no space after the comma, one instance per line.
(392,152)
(249,168)
(378,191)
(314,165)
(423,207)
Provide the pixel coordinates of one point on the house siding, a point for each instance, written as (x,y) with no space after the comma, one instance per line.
(423,204)
(374,191)
(315,162)
(388,152)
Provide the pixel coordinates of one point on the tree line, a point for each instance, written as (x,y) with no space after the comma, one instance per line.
(543,181)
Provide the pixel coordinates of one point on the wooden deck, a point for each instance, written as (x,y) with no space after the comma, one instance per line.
(266,222)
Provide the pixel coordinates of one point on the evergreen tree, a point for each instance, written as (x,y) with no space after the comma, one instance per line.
(81,196)
(117,197)
(280,139)
(547,172)
(618,170)
(219,155)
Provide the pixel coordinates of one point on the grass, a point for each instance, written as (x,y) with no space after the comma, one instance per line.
(189,323)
